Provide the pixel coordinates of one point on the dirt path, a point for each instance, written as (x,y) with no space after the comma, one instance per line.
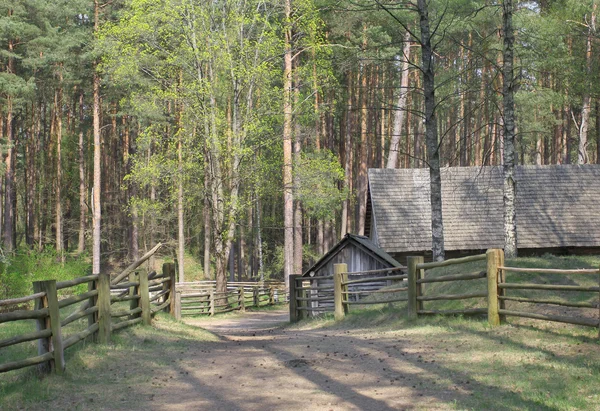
(259,365)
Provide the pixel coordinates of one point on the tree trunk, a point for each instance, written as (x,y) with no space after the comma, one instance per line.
(97,159)
(431,136)
(82,188)
(288,197)
(58,96)
(508,88)
(362,169)
(582,154)
(392,161)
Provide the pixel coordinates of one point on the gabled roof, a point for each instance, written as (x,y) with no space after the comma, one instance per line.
(362,242)
(557,206)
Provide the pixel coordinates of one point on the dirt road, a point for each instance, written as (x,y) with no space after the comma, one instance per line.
(258,365)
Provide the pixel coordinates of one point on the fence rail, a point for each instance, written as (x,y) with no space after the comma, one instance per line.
(307,293)
(54,335)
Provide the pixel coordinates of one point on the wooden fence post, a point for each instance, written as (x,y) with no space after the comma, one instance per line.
(133,277)
(211,302)
(145,298)
(52,321)
(338,296)
(241,301)
(170,273)
(255,299)
(93,317)
(104,308)
(271,295)
(501,279)
(177,310)
(413,286)
(293,300)
(492,283)
(345,295)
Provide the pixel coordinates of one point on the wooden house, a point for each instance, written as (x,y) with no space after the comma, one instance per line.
(557,209)
(362,256)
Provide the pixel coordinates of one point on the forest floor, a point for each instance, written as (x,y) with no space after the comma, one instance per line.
(257,361)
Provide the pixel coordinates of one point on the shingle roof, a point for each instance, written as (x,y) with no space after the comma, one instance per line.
(557,206)
(362,241)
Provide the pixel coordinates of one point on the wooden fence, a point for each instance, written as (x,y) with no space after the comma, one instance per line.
(411,287)
(103,310)
(201,297)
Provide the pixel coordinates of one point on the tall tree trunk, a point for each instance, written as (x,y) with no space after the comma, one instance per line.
(97,159)
(392,161)
(82,188)
(288,197)
(297,265)
(431,136)
(508,89)
(582,154)
(363,155)
(58,96)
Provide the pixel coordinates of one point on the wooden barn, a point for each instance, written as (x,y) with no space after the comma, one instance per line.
(361,255)
(557,210)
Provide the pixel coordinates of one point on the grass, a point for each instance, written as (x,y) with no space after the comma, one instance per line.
(530,365)
(93,369)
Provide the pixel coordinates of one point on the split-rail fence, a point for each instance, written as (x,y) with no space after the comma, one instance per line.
(307,293)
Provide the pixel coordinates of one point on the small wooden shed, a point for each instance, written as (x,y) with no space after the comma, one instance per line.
(358,252)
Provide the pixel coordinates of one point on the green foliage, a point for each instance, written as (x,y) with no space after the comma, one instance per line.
(319,177)
(25,267)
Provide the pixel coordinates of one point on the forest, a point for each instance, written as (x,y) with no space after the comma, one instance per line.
(239,132)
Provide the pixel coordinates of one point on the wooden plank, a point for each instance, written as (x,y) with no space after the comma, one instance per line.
(24,314)
(591,322)
(53,323)
(117,314)
(533,286)
(104,299)
(493,261)
(71,283)
(72,340)
(25,337)
(453,296)
(453,277)
(375,279)
(338,271)
(136,264)
(376,291)
(20,300)
(552,302)
(453,261)
(159,294)
(77,315)
(548,270)
(77,298)
(127,323)
(382,270)
(165,304)
(453,312)
(359,302)
(413,262)
(293,298)
(15,365)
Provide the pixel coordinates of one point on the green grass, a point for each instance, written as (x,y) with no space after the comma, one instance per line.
(514,366)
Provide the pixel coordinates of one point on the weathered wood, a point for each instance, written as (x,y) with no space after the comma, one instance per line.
(128,284)
(178,305)
(136,264)
(412,263)
(293,300)
(533,286)
(492,286)
(388,290)
(453,277)
(124,324)
(382,270)
(468,311)
(359,302)
(52,322)
(159,295)
(114,299)
(548,270)
(591,322)
(21,300)
(77,315)
(104,320)
(551,302)
(77,298)
(118,314)
(440,297)
(90,303)
(271,295)
(241,301)
(145,298)
(73,339)
(135,280)
(420,287)
(172,286)
(453,261)
(338,297)
(374,279)
(15,365)
(25,337)
(24,315)
(159,307)
(71,283)
(212,303)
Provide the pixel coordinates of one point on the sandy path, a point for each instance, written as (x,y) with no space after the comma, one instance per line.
(258,365)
